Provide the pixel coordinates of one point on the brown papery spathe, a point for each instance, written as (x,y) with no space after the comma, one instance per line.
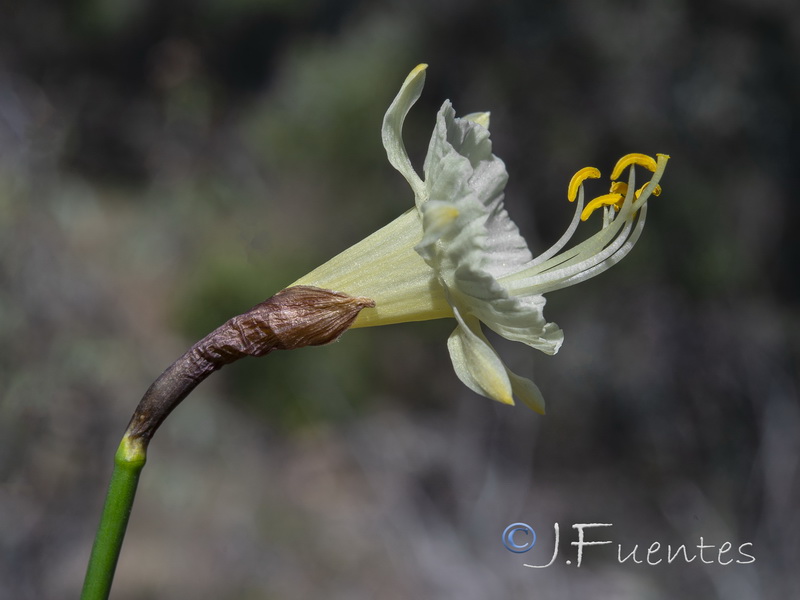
(293,318)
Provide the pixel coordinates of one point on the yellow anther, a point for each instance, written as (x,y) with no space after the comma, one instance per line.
(614,200)
(577,179)
(619,187)
(648,162)
(656,191)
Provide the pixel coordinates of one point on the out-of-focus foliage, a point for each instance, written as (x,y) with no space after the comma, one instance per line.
(164,166)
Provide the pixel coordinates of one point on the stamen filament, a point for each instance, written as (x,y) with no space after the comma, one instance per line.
(579,252)
(620,253)
(562,241)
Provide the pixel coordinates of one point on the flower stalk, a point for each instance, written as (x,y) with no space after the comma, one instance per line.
(128,464)
(296,317)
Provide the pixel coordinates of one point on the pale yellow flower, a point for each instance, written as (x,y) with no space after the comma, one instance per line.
(457,253)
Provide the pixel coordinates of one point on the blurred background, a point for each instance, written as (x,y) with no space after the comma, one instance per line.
(167,165)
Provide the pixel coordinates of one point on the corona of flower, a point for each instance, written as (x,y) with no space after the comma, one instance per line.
(457,254)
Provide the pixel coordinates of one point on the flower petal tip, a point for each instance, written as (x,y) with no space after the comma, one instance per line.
(481,118)
(418,71)
(528,392)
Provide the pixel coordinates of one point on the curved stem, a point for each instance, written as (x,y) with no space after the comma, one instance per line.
(128,463)
(296,317)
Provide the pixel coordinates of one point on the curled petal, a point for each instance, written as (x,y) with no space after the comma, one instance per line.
(469,141)
(392,130)
(480,368)
(522,320)
(476,363)
(516,318)
(527,391)
(460,169)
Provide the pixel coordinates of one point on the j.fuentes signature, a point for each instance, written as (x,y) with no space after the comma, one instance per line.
(521,537)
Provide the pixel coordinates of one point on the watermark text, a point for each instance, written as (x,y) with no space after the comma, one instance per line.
(521,537)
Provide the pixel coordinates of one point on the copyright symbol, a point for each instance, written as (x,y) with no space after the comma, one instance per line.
(523,529)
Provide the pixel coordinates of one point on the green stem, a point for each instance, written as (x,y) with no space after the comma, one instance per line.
(128,463)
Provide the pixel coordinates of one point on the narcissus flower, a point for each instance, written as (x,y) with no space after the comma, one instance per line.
(457,254)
